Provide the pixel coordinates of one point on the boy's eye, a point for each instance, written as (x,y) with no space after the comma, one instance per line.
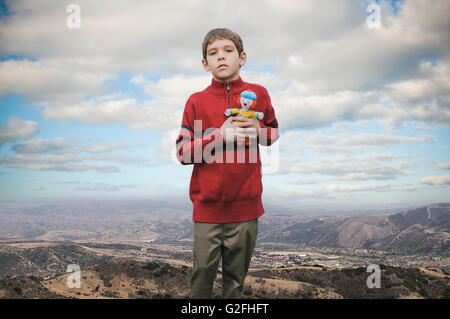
(212,52)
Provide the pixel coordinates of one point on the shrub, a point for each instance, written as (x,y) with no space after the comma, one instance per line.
(141,292)
(247,291)
(151,266)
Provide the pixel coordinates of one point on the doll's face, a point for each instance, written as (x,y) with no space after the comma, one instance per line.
(246,103)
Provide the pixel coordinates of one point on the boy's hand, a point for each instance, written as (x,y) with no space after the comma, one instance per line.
(228,130)
(247,128)
(239,129)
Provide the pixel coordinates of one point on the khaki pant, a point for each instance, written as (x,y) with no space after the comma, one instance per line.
(234,243)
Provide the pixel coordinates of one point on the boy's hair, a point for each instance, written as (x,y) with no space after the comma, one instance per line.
(222,33)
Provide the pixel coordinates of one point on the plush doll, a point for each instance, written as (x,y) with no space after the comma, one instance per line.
(247,100)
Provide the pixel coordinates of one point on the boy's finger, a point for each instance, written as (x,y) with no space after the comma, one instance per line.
(252,132)
(248,131)
(245,124)
(241,137)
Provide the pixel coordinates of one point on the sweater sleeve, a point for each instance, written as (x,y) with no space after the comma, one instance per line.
(268,134)
(191,141)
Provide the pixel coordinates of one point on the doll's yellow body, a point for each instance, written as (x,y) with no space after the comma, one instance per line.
(243,113)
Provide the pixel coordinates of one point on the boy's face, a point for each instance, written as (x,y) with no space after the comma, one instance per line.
(223,60)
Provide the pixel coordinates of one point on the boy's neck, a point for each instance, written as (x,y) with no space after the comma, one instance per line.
(232,80)
(227,80)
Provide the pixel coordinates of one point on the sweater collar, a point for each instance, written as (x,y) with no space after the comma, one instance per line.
(221,87)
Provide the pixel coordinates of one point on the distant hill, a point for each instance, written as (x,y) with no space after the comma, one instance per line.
(45,260)
(422,230)
(133,279)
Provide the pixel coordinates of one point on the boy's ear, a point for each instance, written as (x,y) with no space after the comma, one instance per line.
(205,65)
(242,59)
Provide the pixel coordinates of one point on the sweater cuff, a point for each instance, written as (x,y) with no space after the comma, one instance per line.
(267,135)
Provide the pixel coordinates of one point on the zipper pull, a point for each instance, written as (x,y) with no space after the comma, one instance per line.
(228,94)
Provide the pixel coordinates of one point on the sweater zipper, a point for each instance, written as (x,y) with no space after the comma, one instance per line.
(228,95)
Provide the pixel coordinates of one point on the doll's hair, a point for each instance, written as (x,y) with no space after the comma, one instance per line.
(222,33)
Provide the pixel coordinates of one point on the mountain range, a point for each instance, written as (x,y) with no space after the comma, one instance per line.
(423,230)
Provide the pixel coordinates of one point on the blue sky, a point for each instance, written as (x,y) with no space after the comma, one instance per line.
(93,112)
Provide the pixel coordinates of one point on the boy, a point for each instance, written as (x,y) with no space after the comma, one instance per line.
(226,194)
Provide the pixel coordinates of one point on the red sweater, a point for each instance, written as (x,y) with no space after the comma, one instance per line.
(223,188)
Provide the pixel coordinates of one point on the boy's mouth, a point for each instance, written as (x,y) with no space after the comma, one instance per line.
(222,65)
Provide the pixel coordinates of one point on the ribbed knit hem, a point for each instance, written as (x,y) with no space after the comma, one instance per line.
(227,212)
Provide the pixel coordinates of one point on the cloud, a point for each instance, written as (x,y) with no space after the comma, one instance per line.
(354,188)
(61,145)
(360,142)
(298,111)
(40,146)
(360,58)
(108,110)
(55,162)
(104,187)
(330,191)
(124,159)
(435,180)
(445,165)
(307,111)
(430,82)
(62,154)
(161,107)
(50,79)
(93,149)
(334,193)
(156,43)
(173,91)
(304,181)
(347,168)
(66,182)
(16,128)
(314,111)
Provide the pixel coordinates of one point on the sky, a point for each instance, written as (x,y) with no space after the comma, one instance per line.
(91,104)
